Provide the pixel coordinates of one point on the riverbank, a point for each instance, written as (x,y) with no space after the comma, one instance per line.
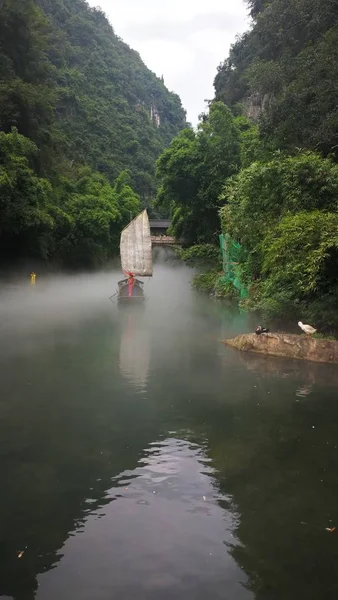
(287,346)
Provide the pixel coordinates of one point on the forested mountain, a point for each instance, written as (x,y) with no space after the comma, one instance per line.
(283,73)
(275,200)
(77,108)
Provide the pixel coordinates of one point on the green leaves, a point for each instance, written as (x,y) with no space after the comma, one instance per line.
(300,268)
(107,98)
(283,74)
(77,223)
(265,191)
(78,109)
(202,255)
(296,249)
(192,172)
(24,198)
(284,212)
(97,213)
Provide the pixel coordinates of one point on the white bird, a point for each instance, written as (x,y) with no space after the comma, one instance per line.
(307,328)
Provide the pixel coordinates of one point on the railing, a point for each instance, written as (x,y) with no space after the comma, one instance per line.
(163,240)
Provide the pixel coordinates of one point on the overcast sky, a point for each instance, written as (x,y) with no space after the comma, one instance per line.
(183,40)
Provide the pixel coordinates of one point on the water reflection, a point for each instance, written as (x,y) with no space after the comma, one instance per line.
(304,390)
(244,464)
(163,533)
(310,374)
(134,358)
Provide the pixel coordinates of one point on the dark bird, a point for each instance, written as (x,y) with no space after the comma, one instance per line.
(261,330)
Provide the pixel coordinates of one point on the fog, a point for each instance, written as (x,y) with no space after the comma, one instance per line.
(31,315)
(54,300)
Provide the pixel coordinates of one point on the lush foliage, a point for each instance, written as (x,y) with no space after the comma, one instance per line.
(284,212)
(78,221)
(282,206)
(25,198)
(277,180)
(266,191)
(94,213)
(192,173)
(201,255)
(85,109)
(284,73)
(206,281)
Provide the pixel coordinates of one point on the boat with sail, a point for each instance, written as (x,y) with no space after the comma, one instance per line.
(136,258)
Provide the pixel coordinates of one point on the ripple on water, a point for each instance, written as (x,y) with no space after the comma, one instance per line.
(165,530)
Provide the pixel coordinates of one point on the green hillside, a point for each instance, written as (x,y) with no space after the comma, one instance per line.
(262,170)
(283,73)
(78,107)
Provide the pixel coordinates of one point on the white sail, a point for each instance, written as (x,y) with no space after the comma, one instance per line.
(135,247)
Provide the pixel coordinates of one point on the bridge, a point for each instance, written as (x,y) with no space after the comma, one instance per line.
(159,237)
(159,226)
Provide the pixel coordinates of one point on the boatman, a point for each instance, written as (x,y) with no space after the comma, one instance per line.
(131,281)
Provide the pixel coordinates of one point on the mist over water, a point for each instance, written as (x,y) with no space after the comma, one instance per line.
(141,458)
(60,300)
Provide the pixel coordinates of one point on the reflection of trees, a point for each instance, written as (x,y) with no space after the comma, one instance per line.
(302,371)
(282,476)
(70,425)
(60,445)
(79,424)
(278,469)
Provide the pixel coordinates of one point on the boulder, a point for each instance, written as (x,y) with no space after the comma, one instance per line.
(287,345)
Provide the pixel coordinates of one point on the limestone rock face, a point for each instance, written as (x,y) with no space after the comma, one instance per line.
(287,345)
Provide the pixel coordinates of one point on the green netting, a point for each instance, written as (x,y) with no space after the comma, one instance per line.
(232,269)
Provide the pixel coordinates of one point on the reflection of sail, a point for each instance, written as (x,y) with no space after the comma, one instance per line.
(135,353)
(135,247)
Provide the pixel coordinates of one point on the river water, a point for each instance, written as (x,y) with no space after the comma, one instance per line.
(142,459)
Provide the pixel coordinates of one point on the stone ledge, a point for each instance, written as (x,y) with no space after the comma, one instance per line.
(287,345)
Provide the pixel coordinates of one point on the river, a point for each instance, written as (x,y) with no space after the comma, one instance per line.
(142,459)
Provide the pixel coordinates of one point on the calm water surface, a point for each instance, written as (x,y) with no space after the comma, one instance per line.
(142,459)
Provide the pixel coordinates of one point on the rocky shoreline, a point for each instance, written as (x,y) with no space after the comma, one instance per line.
(288,346)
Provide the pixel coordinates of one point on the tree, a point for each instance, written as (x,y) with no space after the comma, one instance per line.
(300,267)
(261,194)
(192,172)
(96,212)
(283,214)
(87,110)
(25,199)
(284,73)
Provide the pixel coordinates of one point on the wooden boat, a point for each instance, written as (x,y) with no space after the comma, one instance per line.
(135,295)
(136,259)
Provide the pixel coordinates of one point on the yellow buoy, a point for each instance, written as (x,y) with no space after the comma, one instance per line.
(33,278)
